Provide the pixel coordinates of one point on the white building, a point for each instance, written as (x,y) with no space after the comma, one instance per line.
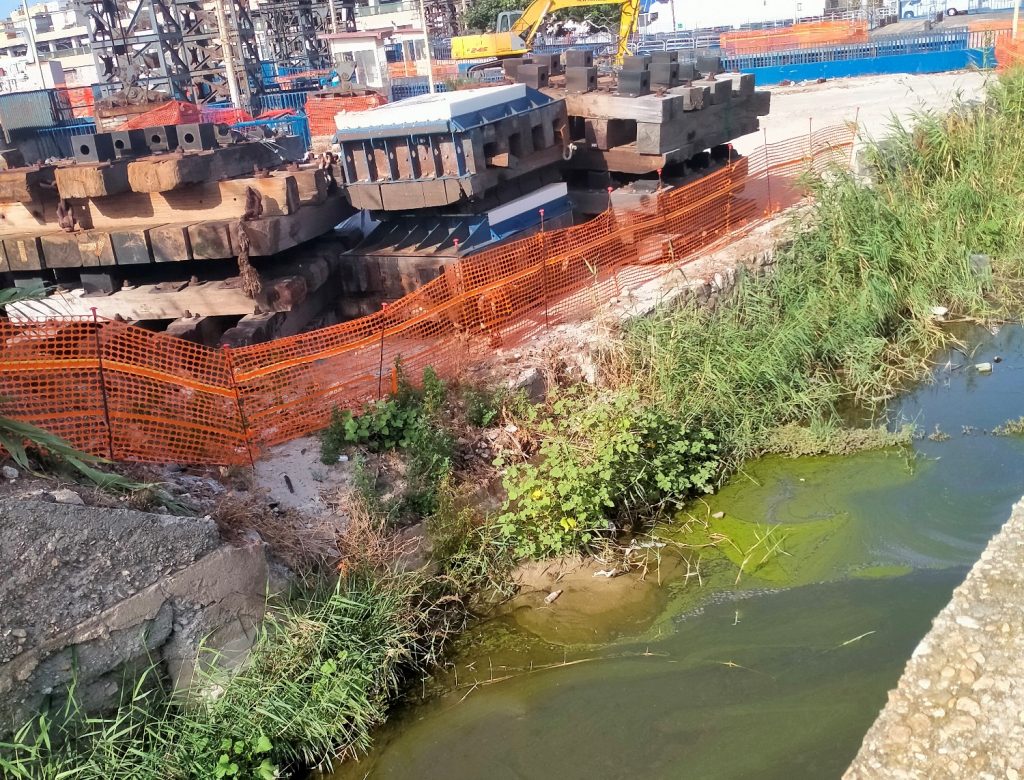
(60,37)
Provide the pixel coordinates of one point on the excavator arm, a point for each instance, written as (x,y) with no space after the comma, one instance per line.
(527,25)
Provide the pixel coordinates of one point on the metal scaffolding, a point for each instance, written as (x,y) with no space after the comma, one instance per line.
(290,32)
(174,46)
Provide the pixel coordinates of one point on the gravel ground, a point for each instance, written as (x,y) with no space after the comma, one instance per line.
(958,711)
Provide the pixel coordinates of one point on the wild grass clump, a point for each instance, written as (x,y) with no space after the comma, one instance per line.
(324,669)
(846,317)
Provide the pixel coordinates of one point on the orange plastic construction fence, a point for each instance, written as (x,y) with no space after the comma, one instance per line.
(442,69)
(81,100)
(1009,52)
(798,36)
(321,108)
(133,395)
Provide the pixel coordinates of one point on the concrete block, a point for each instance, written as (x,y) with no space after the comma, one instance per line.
(99,282)
(534,76)
(552,61)
(129,143)
(709,66)
(161,138)
(578,58)
(197,137)
(225,135)
(636,62)
(687,71)
(93,147)
(664,56)
(634,83)
(579,80)
(664,74)
(510,67)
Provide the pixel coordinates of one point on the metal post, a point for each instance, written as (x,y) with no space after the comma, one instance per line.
(544,269)
(227,53)
(426,44)
(103,384)
(242,421)
(380,367)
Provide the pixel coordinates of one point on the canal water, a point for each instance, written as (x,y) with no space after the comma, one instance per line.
(776,673)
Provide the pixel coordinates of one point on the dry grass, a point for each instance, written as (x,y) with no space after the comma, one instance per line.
(302,543)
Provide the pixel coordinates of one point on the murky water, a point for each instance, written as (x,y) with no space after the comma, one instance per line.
(778,675)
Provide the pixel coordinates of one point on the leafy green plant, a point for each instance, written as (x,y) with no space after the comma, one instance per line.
(601,462)
(410,422)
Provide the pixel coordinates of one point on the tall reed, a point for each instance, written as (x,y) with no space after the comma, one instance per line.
(847,315)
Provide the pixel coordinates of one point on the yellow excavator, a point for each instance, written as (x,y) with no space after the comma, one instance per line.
(516,30)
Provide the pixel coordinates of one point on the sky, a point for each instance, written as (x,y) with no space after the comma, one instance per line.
(6,6)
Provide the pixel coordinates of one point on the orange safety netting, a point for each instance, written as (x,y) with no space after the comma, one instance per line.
(134,395)
(1009,52)
(321,108)
(798,36)
(81,100)
(442,69)
(179,112)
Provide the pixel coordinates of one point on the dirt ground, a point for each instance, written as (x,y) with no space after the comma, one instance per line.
(872,101)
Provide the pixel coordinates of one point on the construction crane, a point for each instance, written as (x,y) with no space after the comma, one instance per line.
(516,30)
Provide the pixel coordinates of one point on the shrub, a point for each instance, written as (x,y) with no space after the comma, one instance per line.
(601,463)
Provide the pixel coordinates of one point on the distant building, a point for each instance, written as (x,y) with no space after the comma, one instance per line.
(60,37)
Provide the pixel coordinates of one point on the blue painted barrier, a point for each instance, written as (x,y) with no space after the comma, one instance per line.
(930,62)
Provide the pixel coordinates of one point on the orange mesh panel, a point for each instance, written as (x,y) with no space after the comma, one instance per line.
(49,377)
(321,109)
(81,100)
(799,36)
(1009,53)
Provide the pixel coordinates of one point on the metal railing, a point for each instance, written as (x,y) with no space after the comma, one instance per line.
(882,46)
(57,141)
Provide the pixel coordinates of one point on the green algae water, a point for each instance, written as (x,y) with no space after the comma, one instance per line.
(776,673)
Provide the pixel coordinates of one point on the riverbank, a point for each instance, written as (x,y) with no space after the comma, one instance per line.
(957,710)
(671,405)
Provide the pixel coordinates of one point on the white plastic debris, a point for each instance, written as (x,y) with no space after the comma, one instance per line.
(552,596)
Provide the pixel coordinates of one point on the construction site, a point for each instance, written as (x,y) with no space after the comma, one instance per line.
(345,329)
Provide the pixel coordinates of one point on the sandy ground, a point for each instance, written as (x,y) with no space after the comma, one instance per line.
(878,98)
(311,486)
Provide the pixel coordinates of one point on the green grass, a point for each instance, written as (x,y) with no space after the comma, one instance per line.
(318,681)
(845,317)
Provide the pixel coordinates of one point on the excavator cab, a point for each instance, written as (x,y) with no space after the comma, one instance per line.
(506,19)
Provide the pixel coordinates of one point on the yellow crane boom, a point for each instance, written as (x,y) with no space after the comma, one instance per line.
(519,38)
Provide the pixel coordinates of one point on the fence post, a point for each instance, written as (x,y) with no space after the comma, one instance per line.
(856,130)
(768,170)
(810,144)
(380,367)
(103,383)
(544,269)
(238,406)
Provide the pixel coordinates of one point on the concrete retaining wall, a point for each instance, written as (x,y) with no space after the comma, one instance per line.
(95,595)
(958,710)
